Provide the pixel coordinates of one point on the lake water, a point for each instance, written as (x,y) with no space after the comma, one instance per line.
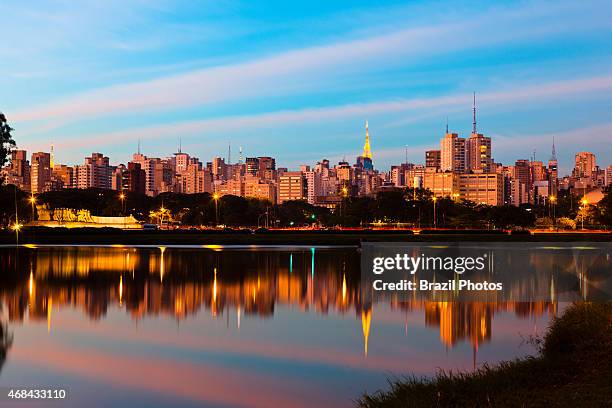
(230,327)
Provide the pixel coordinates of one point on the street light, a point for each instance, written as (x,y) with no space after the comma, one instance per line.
(552,199)
(32,201)
(216,199)
(434,209)
(584,203)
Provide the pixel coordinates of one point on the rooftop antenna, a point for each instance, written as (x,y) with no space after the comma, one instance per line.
(447,125)
(138,145)
(229,152)
(407,152)
(474,115)
(554,153)
(180,144)
(240,155)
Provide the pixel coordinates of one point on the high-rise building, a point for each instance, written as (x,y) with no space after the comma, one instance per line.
(134,179)
(441,184)
(433,159)
(18,170)
(585,165)
(195,179)
(257,188)
(487,188)
(95,172)
(478,153)
(292,186)
(252,166)
(452,152)
(65,174)
(521,182)
(40,173)
(181,161)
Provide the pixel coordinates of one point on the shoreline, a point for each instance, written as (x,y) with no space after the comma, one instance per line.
(109,236)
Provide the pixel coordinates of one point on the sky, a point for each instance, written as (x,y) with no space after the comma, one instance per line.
(297,80)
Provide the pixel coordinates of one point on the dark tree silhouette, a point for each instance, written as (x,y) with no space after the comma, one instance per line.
(6,140)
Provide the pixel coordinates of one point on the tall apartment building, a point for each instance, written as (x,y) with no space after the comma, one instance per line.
(65,174)
(478,153)
(148,165)
(292,186)
(95,172)
(195,179)
(482,188)
(521,182)
(134,179)
(452,153)
(257,188)
(313,183)
(18,170)
(40,172)
(585,165)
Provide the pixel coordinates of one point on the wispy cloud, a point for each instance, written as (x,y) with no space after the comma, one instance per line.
(298,70)
(532,94)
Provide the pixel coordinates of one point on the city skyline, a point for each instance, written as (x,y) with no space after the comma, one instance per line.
(297,83)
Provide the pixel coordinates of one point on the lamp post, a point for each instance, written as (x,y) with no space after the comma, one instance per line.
(122,198)
(32,201)
(434,199)
(216,199)
(344,195)
(584,203)
(552,200)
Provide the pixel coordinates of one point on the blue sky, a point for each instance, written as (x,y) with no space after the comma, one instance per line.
(297,80)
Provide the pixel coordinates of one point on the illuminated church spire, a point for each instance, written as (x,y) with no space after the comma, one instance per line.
(366,147)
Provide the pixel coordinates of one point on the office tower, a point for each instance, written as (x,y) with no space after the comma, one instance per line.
(292,186)
(487,188)
(134,179)
(252,166)
(40,172)
(452,152)
(433,159)
(585,164)
(440,184)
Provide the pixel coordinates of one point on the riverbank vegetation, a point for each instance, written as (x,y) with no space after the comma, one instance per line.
(573,368)
(408,208)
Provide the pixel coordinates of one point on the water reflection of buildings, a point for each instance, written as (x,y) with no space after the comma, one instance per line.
(180,283)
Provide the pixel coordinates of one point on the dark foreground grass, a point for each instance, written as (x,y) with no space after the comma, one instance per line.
(573,369)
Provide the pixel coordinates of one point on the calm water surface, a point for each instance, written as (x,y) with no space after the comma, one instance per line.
(230,327)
